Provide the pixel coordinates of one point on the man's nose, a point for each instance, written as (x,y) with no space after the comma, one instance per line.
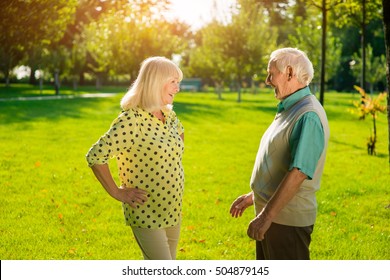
(267,81)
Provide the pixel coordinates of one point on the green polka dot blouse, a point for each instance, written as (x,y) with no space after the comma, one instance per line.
(149,156)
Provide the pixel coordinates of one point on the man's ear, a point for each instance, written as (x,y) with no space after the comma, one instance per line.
(289,72)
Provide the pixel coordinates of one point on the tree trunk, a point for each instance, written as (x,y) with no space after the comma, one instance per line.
(371,145)
(32,79)
(323,52)
(363,46)
(7,82)
(81,78)
(57,82)
(98,83)
(386,26)
(218,89)
(74,80)
(40,84)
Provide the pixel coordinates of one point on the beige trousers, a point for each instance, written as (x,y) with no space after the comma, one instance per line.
(158,244)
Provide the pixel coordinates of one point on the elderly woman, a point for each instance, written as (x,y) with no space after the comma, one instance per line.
(289,163)
(147,140)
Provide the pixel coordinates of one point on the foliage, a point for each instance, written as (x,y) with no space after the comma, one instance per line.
(349,12)
(206,60)
(108,39)
(122,39)
(374,65)
(232,53)
(359,13)
(279,15)
(27,24)
(370,106)
(311,28)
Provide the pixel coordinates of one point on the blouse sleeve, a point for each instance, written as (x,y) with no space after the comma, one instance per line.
(177,123)
(180,127)
(118,138)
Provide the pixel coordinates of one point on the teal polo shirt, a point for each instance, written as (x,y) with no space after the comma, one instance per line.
(307,136)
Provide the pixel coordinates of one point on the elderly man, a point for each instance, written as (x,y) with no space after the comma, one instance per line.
(289,163)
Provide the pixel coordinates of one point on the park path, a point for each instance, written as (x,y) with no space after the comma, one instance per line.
(52,97)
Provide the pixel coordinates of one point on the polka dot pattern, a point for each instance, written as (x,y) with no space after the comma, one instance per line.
(149,156)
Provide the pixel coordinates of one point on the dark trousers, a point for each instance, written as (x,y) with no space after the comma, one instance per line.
(285,243)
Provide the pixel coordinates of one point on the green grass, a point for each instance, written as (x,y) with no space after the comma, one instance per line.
(53,208)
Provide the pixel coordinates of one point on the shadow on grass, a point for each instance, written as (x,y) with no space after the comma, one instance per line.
(26,90)
(50,110)
(14,111)
(195,111)
(270,110)
(218,108)
(355,147)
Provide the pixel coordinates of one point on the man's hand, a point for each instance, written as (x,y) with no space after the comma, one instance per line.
(240,204)
(259,226)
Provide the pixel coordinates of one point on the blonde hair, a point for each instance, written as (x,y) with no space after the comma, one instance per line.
(297,60)
(146,91)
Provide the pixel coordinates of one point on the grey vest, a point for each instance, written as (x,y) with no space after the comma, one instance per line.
(273,162)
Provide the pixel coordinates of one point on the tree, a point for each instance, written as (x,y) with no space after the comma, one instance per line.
(234,49)
(325,7)
(99,49)
(358,13)
(374,65)
(206,60)
(277,15)
(101,36)
(370,106)
(26,24)
(122,38)
(386,27)
(77,59)
(311,28)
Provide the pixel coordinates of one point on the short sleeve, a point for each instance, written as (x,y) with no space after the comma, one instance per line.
(118,138)
(307,143)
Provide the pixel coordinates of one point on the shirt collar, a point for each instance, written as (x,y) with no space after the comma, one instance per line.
(286,103)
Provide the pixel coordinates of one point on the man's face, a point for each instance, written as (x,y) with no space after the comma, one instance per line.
(277,80)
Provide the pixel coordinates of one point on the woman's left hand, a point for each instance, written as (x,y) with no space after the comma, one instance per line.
(131,196)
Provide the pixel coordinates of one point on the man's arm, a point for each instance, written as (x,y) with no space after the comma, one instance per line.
(284,193)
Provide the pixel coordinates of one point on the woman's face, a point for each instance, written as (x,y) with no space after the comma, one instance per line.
(278,81)
(170,89)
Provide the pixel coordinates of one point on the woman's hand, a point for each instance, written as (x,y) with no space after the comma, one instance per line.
(131,196)
(240,204)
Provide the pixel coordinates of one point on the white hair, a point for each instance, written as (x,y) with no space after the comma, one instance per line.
(146,91)
(297,60)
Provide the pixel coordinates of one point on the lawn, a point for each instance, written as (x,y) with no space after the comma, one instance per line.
(53,208)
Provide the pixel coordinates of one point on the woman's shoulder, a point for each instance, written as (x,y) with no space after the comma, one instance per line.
(129,113)
(125,116)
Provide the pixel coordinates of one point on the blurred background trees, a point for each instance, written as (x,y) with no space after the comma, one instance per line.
(103,42)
